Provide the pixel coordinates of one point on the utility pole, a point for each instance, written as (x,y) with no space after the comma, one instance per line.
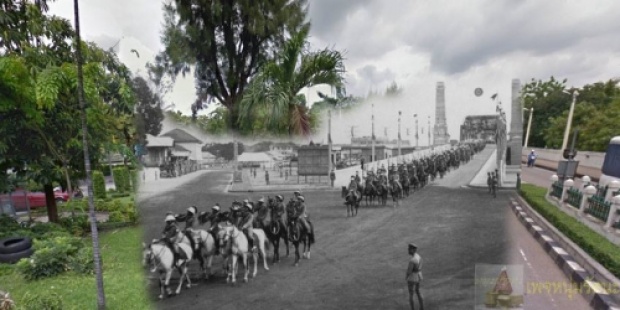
(429,132)
(416,130)
(399,114)
(329,141)
(373,133)
(529,126)
(569,121)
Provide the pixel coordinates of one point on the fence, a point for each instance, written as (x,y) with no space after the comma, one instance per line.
(574,197)
(598,207)
(556,189)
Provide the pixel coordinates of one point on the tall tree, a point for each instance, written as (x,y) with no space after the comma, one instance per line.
(89,183)
(224,42)
(149,114)
(279,82)
(548,101)
(393,90)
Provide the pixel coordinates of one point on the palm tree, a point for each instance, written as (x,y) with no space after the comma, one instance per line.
(273,95)
(89,182)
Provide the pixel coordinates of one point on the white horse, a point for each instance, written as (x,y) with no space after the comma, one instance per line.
(205,249)
(159,257)
(234,243)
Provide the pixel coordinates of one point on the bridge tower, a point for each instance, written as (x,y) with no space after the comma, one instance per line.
(440,130)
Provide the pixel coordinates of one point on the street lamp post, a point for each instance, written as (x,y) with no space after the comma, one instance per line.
(429,132)
(399,153)
(416,130)
(529,126)
(570,120)
(373,133)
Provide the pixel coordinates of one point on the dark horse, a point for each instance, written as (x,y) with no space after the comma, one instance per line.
(382,192)
(369,192)
(266,218)
(298,234)
(352,201)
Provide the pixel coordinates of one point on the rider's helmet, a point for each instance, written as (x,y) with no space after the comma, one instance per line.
(262,199)
(236,205)
(216,207)
(248,206)
(297,193)
(280,198)
(192,210)
(301,198)
(170,218)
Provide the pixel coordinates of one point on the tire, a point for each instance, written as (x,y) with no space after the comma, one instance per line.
(15,245)
(15,257)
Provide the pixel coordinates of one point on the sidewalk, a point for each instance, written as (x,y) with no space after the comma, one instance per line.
(480,180)
(153,188)
(276,183)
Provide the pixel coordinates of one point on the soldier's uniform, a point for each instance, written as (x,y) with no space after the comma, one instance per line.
(169,236)
(279,213)
(301,214)
(245,224)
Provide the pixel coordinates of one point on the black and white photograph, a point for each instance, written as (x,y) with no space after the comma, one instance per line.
(309,154)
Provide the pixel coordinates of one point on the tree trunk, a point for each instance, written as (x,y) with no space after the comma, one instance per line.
(68,180)
(89,180)
(50,201)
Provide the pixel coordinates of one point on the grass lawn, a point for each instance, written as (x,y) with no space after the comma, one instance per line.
(597,246)
(124,277)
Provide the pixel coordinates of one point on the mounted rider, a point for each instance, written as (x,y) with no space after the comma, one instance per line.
(245,223)
(169,236)
(213,218)
(278,213)
(299,213)
(260,215)
(358,179)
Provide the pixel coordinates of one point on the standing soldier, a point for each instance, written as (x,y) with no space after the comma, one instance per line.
(332,176)
(357,178)
(414,276)
(489,181)
(362,160)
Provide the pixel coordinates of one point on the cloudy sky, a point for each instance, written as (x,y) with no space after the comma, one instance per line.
(465,44)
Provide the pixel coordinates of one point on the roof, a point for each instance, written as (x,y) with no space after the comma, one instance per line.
(153,141)
(181,136)
(207,155)
(254,157)
(180,151)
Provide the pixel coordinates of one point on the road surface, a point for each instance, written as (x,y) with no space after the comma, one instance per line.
(360,263)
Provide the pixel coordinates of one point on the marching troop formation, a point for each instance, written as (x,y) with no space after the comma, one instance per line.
(399,181)
(247,226)
(236,233)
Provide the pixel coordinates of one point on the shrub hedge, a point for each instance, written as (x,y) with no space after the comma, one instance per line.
(99,185)
(119,179)
(597,246)
(54,256)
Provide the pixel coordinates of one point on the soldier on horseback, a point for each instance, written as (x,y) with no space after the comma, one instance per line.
(214,219)
(169,236)
(278,212)
(245,223)
(357,178)
(299,213)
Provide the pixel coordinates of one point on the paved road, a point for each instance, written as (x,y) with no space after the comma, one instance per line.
(541,177)
(360,263)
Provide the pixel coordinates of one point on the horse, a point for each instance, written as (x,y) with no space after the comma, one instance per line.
(272,227)
(299,234)
(382,193)
(405,185)
(234,243)
(369,192)
(352,201)
(396,191)
(159,257)
(204,249)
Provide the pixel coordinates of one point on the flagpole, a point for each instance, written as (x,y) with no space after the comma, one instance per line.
(329,142)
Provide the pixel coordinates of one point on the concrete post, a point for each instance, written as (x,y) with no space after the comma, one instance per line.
(613,210)
(588,192)
(567,184)
(554,178)
(612,187)
(585,181)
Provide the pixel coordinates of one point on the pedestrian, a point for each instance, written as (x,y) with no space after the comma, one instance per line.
(285,174)
(255,173)
(267,177)
(414,276)
(362,163)
(489,181)
(332,176)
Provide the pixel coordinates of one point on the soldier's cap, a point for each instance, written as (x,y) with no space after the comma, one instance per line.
(302,198)
(297,192)
(413,245)
(262,199)
(216,207)
(246,201)
(280,197)
(249,206)
(192,210)
(170,218)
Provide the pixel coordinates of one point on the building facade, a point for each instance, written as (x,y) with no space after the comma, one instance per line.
(482,127)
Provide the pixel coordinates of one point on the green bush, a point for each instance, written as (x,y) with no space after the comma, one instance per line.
(597,246)
(83,261)
(135,179)
(51,257)
(42,301)
(78,225)
(119,179)
(99,185)
(126,180)
(6,269)
(119,195)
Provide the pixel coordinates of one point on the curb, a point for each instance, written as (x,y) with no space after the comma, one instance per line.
(600,299)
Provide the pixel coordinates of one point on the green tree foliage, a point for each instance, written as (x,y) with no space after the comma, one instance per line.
(548,101)
(148,110)
(224,42)
(393,90)
(99,185)
(273,93)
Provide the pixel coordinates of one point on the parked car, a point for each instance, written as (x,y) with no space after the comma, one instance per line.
(35,199)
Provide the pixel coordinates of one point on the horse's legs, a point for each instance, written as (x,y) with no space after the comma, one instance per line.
(234,269)
(246,265)
(167,282)
(287,246)
(209,270)
(162,285)
(255,257)
(261,248)
(296,244)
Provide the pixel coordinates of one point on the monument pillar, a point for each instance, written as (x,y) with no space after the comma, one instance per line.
(440,130)
(515,142)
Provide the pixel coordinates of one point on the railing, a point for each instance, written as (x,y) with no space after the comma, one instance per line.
(598,207)
(616,193)
(601,191)
(574,197)
(556,189)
